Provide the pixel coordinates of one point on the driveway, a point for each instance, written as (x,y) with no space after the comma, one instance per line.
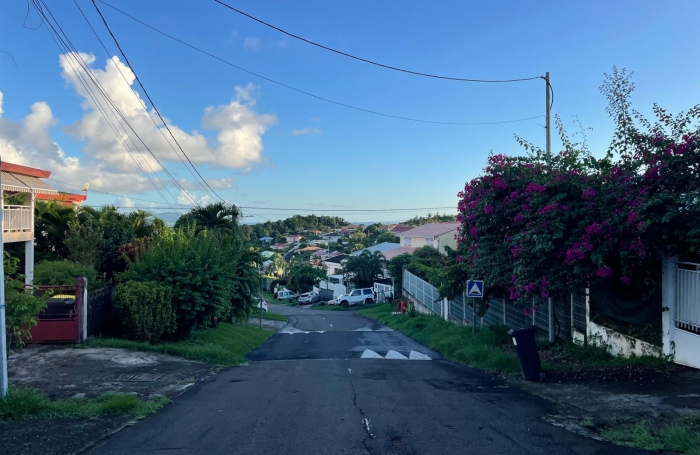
(338,383)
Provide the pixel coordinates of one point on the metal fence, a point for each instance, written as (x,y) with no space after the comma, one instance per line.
(687,315)
(501,311)
(101,310)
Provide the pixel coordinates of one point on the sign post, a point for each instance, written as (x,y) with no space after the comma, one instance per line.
(475,290)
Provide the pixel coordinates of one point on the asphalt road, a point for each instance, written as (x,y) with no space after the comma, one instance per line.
(337,383)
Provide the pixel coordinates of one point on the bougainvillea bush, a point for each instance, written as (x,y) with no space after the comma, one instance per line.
(544,225)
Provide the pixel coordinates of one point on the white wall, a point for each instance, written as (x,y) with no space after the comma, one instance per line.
(621,345)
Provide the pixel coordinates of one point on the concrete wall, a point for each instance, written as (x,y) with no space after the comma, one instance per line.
(447,239)
(621,345)
(687,349)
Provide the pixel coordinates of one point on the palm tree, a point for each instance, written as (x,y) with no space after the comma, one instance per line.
(218,215)
(365,268)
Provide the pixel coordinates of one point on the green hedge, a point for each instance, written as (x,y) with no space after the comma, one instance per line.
(145,309)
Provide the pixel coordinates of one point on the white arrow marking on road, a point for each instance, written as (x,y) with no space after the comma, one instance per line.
(370,355)
(415,355)
(394,355)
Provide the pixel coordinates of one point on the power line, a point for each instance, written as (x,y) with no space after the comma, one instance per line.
(371,62)
(134,93)
(354,210)
(165,124)
(71,53)
(304,92)
(111,194)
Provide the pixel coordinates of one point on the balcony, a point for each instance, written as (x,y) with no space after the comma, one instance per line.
(17,223)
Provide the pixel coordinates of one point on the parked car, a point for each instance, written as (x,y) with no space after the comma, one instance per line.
(356,297)
(264,305)
(286,295)
(309,297)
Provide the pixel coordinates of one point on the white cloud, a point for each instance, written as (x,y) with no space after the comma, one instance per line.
(191,198)
(306,132)
(252,43)
(125,202)
(107,162)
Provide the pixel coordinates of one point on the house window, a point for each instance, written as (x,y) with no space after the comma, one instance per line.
(407,241)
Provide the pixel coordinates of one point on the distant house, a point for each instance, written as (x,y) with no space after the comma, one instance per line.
(267,254)
(294,238)
(324,254)
(279,246)
(266,239)
(331,237)
(399,228)
(334,270)
(310,248)
(335,264)
(318,242)
(383,248)
(437,235)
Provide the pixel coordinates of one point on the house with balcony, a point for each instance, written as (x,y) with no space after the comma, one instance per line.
(437,235)
(21,187)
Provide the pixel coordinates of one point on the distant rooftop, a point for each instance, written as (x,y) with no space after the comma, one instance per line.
(431,230)
(381,247)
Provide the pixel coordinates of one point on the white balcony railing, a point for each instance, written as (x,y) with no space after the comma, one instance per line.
(17,218)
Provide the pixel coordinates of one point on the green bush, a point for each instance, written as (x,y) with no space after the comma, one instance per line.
(210,275)
(145,309)
(22,308)
(63,273)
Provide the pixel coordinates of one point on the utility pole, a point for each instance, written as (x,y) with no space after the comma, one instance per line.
(261,297)
(548,127)
(3,332)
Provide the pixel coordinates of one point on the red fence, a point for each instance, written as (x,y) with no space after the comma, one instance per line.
(61,321)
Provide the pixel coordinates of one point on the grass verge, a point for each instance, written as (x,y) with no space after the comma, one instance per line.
(227,344)
(454,342)
(346,308)
(682,436)
(24,403)
(267,315)
(570,356)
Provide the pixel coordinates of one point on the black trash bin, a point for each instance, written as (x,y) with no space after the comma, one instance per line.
(529,357)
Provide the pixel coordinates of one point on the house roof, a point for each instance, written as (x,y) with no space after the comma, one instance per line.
(265,238)
(293,236)
(431,230)
(267,254)
(67,198)
(23,183)
(396,229)
(381,247)
(310,248)
(337,259)
(320,253)
(389,255)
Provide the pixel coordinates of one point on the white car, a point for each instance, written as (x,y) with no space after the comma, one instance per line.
(356,297)
(309,297)
(264,305)
(286,295)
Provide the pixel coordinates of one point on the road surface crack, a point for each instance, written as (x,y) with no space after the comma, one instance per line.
(365,421)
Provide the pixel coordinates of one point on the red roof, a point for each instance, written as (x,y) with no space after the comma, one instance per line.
(66,198)
(24,170)
(400,228)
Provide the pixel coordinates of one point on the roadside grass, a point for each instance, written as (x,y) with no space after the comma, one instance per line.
(682,436)
(267,315)
(227,344)
(454,342)
(24,403)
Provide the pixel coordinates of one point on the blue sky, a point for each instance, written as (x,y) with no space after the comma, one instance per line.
(264,145)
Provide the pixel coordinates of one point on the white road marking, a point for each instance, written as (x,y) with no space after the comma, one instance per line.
(368,427)
(415,355)
(349,371)
(394,355)
(368,354)
(293,330)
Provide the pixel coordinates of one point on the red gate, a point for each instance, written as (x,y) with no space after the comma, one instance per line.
(60,322)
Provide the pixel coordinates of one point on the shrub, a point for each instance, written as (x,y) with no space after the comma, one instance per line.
(22,308)
(145,309)
(210,275)
(63,273)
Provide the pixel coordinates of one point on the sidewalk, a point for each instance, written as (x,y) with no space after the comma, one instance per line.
(593,402)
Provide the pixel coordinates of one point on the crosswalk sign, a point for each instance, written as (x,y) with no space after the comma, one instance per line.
(475,288)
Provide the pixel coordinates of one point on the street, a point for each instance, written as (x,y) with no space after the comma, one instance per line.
(333,382)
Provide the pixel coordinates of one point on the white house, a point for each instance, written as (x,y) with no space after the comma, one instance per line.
(437,235)
(18,220)
(267,254)
(331,237)
(334,271)
(294,238)
(266,239)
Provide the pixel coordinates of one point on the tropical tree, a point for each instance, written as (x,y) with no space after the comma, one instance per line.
(303,277)
(365,267)
(218,215)
(52,222)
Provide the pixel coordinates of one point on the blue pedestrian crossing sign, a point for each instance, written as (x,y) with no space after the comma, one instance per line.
(475,288)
